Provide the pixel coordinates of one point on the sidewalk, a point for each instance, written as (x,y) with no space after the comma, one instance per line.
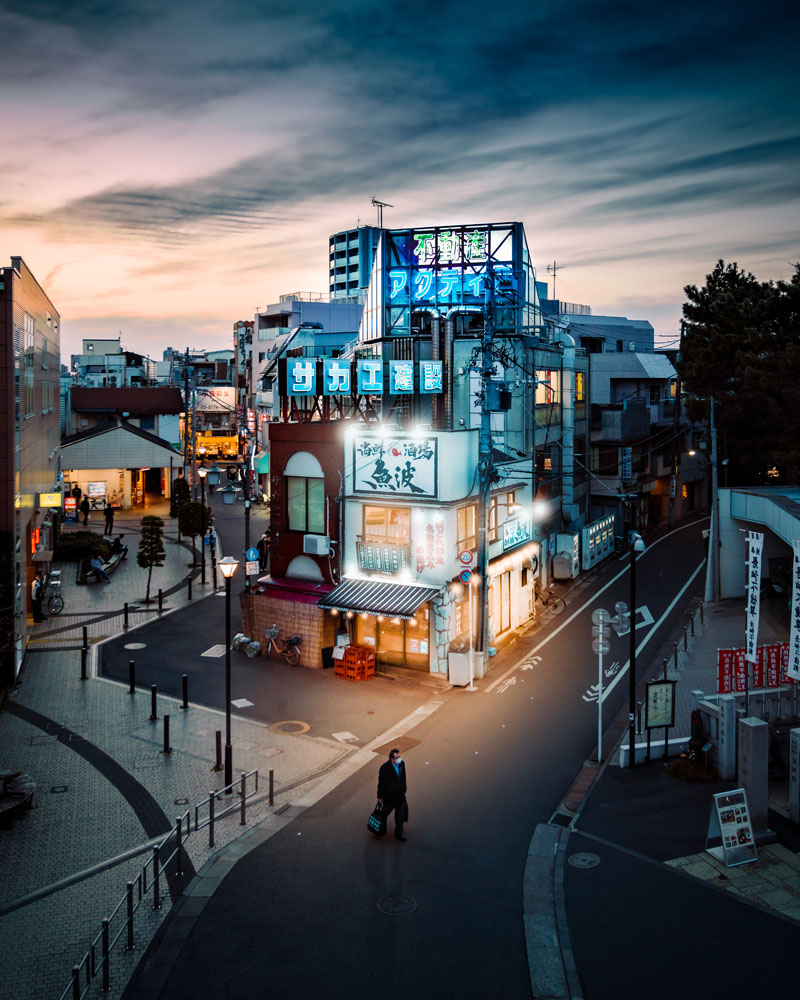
(105,788)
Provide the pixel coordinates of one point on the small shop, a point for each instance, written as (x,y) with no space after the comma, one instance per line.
(395,619)
(511,582)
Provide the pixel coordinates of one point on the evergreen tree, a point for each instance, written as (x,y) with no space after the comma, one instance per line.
(181,494)
(190,522)
(151,547)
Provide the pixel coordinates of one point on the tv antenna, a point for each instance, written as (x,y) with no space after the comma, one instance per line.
(554,269)
(380,205)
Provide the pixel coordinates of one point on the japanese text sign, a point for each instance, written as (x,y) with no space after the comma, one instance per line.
(755,542)
(398,466)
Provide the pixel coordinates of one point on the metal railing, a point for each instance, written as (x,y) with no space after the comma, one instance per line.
(97,960)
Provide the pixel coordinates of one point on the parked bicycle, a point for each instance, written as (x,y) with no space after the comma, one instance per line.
(288,649)
(550,600)
(52,599)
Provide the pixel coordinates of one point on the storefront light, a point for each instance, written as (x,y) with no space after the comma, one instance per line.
(540,510)
(349,614)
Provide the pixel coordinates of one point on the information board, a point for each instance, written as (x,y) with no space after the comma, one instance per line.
(730,823)
(660,705)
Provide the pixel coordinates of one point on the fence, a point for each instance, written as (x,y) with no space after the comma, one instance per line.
(97,960)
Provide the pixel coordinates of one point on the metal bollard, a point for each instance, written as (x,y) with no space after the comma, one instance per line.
(218,736)
(242,819)
(639,705)
(85,637)
(106,958)
(185,685)
(211,801)
(129,896)
(702,619)
(686,637)
(178,841)
(167,747)
(691,625)
(271,786)
(131,677)
(76,982)
(675,656)
(156,880)
(665,668)
(160,600)
(84,651)
(125,615)
(153,695)
(189,586)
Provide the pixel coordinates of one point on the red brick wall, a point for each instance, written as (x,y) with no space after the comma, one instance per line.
(316,628)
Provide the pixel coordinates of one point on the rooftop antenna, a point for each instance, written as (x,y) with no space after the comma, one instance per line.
(380,205)
(554,269)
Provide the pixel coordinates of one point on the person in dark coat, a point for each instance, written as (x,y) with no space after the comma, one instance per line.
(263,551)
(85,507)
(392,790)
(108,510)
(37,593)
(76,492)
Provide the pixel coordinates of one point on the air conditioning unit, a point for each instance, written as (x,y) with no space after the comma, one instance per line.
(316,545)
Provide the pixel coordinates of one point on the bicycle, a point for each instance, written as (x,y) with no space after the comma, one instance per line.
(52,599)
(550,600)
(289,650)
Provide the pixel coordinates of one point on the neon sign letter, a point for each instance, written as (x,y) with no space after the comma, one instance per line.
(399,279)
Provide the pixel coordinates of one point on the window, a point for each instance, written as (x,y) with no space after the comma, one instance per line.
(387,524)
(466,527)
(545,387)
(655,395)
(580,387)
(305,502)
(262,355)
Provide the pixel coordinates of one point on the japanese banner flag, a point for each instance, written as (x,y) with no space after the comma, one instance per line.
(793,670)
(755,542)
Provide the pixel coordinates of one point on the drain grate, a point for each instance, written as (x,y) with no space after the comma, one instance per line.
(290,728)
(584,860)
(397,905)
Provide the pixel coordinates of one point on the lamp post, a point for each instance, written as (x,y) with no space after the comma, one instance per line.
(637,545)
(202,472)
(228,566)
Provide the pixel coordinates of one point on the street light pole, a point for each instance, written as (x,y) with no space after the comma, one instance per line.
(202,473)
(637,545)
(228,566)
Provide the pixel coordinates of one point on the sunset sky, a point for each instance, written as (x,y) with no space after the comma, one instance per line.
(168,167)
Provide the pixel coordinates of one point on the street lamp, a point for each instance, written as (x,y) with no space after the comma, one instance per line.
(228,493)
(228,566)
(637,545)
(213,476)
(202,472)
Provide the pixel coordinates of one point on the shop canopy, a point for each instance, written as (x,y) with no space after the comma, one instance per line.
(378,597)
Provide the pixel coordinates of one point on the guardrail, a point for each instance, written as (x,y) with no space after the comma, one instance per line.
(96,961)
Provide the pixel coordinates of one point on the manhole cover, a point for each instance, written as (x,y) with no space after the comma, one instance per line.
(135,645)
(289,728)
(397,906)
(584,860)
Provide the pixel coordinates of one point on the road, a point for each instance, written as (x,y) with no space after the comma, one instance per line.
(302,913)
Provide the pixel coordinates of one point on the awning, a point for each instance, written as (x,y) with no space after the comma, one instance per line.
(378,597)
(261,462)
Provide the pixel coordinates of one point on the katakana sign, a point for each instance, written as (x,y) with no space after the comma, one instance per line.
(335,377)
(398,466)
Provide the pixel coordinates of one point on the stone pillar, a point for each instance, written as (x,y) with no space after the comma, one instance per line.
(753,736)
(794,775)
(727,737)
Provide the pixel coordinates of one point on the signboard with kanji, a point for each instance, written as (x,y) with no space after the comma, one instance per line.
(660,705)
(770,669)
(398,466)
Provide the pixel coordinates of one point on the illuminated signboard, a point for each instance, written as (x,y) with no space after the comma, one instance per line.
(49,499)
(515,532)
(334,377)
(397,466)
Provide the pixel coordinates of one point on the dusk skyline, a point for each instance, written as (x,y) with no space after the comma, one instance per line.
(169,168)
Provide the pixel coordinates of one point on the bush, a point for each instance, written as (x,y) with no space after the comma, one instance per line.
(686,769)
(79,545)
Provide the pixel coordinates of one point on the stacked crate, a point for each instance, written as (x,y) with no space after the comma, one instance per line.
(358,663)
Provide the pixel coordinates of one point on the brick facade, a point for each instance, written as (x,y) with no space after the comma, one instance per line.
(316,628)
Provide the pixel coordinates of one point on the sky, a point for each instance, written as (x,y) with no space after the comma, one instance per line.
(169,167)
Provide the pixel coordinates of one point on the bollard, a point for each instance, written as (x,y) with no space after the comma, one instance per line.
(156,880)
(129,896)
(665,668)
(189,586)
(160,600)
(83,662)
(686,637)
(675,656)
(211,801)
(691,625)
(106,958)
(185,685)
(167,747)
(125,615)
(178,833)
(639,705)
(131,677)
(76,982)
(85,637)
(218,765)
(242,820)
(153,694)
(271,786)
(702,619)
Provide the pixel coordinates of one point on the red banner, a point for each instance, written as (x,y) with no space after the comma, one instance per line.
(769,671)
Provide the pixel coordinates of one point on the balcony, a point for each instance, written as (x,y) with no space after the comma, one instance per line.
(382,555)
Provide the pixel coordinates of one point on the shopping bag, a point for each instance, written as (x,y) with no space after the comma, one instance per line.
(377,821)
(405,812)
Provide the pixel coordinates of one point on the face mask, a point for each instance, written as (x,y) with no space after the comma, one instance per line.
(398,760)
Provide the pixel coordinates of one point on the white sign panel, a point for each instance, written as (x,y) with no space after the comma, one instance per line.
(793,669)
(217,399)
(396,466)
(755,541)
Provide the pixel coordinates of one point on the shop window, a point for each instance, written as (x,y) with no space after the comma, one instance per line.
(466,527)
(387,524)
(305,504)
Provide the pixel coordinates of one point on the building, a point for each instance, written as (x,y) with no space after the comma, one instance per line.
(350,256)
(30,496)
(103,362)
(153,408)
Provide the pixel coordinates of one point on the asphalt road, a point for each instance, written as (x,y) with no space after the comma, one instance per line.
(302,913)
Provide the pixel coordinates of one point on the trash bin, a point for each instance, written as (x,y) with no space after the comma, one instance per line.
(327,657)
(458,664)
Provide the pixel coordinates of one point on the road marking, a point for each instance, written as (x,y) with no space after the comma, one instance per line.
(343,737)
(242,702)
(530,662)
(583,607)
(506,685)
(218,650)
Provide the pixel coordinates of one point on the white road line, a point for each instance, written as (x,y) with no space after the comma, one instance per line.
(582,608)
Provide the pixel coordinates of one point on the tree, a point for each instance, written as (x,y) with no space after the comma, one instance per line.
(191,522)
(151,547)
(181,494)
(740,346)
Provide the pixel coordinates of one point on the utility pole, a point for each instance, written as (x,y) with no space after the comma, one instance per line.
(186,406)
(554,269)
(485,473)
(712,577)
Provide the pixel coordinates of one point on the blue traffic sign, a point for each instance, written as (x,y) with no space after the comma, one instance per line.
(252,554)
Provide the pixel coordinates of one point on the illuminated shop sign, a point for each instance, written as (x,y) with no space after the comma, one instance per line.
(516,532)
(397,466)
(49,499)
(334,377)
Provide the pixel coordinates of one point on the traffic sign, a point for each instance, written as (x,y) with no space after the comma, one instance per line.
(251,567)
(465,575)
(601,646)
(251,555)
(465,558)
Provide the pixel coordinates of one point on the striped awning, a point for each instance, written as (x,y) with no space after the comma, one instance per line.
(378,597)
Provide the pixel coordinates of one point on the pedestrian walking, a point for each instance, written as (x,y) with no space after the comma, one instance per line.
(108,510)
(37,593)
(263,552)
(84,508)
(392,791)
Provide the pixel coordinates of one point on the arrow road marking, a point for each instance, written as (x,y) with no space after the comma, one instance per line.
(506,685)
(531,662)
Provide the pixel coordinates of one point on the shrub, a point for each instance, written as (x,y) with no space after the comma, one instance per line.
(77,545)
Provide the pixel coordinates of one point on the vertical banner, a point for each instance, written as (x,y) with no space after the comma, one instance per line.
(793,669)
(755,542)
